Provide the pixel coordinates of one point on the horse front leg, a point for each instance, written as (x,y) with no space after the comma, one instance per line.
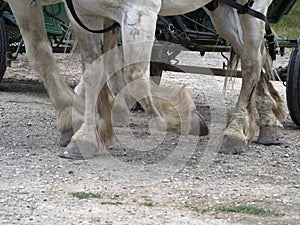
(30,19)
(137,40)
(170,109)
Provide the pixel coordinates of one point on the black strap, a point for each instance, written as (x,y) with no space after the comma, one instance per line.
(212,5)
(74,14)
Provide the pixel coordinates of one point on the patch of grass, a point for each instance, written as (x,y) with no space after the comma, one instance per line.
(111,203)
(251,210)
(148,203)
(84,195)
(288,26)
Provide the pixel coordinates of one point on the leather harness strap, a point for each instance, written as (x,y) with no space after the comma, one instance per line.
(74,14)
(211,6)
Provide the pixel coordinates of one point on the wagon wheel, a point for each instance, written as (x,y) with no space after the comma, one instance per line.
(293,85)
(3,47)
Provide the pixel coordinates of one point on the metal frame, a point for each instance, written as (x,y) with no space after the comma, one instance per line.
(57,26)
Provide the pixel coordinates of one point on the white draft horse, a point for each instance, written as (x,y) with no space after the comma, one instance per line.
(91,105)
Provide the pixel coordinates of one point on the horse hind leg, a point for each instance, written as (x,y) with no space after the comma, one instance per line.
(91,47)
(95,133)
(241,129)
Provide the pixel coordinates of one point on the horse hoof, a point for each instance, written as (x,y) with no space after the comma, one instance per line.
(79,150)
(233,145)
(199,126)
(270,135)
(65,138)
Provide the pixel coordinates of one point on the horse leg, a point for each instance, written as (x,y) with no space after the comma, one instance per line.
(30,19)
(91,47)
(172,112)
(137,40)
(271,108)
(177,108)
(240,130)
(95,132)
(123,101)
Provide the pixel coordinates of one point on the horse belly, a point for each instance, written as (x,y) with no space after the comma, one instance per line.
(177,7)
(115,9)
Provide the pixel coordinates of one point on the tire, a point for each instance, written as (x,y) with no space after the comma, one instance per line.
(293,85)
(3,47)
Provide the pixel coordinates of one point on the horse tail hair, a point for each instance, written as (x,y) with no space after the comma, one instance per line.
(232,66)
(104,102)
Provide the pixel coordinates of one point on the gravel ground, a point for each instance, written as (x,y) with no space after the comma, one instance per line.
(142,178)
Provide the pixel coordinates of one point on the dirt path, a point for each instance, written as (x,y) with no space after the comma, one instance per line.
(142,178)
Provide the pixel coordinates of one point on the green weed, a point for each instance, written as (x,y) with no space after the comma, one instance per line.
(251,210)
(111,203)
(288,26)
(148,203)
(84,195)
